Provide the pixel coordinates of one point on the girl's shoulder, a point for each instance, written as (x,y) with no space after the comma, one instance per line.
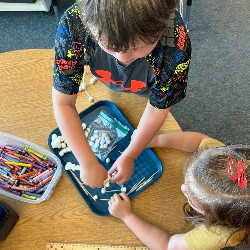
(213,238)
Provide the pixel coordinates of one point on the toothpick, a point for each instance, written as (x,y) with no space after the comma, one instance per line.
(147,181)
(135,186)
(81,184)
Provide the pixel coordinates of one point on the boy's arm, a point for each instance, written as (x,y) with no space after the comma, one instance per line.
(152,236)
(150,123)
(67,117)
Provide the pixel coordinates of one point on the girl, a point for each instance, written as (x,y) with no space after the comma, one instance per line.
(217,192)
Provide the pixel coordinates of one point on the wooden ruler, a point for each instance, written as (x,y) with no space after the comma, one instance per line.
(78,246)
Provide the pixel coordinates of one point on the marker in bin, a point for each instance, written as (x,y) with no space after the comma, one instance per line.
(25,172)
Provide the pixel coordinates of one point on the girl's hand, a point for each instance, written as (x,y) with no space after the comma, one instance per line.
(93,175)
(124,167)
(120,206)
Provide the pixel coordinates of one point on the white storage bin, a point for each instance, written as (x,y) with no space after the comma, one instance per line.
(6,139)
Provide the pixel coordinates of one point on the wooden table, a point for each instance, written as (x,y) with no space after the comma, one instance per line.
(26,111)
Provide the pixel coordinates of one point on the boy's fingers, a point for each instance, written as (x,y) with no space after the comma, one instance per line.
(116,178)
(112,170)
(119,179)
(116,197)
(111,199)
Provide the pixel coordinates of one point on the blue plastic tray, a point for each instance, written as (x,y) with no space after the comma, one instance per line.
(146,164)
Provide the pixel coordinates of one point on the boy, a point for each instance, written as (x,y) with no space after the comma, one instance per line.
(131,46)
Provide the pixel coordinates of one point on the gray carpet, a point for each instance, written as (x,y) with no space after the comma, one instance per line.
(218,96)
(217,101)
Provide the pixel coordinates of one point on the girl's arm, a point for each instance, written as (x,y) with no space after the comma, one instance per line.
(185,141)
(152,236)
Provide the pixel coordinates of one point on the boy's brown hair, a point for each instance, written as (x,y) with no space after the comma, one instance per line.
(119,24)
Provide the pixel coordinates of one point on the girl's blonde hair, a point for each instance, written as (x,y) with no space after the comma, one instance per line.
(221,199)
(120,24)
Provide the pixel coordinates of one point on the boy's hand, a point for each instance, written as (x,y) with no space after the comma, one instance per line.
(93,175)
(120,206)
(124,166)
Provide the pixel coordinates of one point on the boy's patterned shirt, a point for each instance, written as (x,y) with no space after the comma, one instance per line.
(162,75)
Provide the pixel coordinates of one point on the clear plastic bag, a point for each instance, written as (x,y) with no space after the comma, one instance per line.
(105,132)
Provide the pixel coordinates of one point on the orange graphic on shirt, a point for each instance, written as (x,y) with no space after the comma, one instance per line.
(65,65)
(181,38)
(135,86)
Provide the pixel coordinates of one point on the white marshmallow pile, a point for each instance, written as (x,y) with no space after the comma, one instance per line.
(72,166)
(59,142)
(100,140)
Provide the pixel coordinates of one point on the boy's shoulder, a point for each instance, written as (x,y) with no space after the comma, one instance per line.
(72,12)
(173,47)
(71,22)
(71,19)
(73,29)
(175,36)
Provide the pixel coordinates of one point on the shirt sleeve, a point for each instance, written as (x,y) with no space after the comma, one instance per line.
(213,238)
(69,52)
(170,61)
